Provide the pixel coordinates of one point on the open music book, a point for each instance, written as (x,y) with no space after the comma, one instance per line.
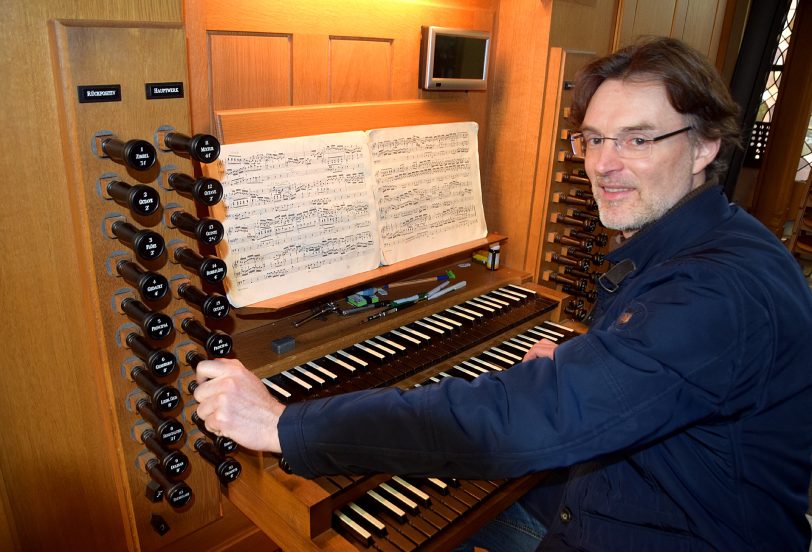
(303,211)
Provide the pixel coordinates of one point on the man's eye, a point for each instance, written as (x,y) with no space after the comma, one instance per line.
(636,141)
(593,140)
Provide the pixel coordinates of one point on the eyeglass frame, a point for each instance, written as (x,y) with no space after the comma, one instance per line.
(618,147)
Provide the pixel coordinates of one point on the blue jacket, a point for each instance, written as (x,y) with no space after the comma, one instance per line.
(685,411)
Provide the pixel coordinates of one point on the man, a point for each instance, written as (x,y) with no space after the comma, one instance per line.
(684,415)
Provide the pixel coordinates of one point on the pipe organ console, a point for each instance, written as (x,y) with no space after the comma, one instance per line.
(145,208)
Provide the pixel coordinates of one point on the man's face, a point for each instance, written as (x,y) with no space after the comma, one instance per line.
(633,192)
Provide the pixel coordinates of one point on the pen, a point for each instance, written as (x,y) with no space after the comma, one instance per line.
(455,287)
(437,288)
(382,313)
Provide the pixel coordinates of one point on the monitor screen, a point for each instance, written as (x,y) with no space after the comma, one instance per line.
(454,59)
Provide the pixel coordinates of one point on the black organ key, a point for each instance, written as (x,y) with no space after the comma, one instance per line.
(139,198)
(206,191)
(136,154)
(146,244)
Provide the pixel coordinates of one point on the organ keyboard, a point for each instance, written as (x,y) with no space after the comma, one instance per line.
(487,327)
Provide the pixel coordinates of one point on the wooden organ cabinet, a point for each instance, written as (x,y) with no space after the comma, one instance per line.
(575,242)
(111,276)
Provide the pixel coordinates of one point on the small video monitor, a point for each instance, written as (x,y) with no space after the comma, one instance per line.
(454,59)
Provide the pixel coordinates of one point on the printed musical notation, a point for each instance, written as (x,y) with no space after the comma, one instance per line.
(304,211)
(298,212)
(427,188)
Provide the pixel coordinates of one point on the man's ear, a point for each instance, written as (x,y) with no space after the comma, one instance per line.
(705,151)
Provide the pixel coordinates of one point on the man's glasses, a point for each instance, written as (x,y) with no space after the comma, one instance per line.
(629,145)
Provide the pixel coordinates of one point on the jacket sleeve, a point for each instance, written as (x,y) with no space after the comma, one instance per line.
(670,359)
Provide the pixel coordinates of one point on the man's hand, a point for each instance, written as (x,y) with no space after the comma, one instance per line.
(234,403)
(544,348)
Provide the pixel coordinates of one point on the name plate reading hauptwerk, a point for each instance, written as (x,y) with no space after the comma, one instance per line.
(304,211)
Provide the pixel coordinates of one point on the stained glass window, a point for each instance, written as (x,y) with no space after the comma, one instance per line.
(768,99)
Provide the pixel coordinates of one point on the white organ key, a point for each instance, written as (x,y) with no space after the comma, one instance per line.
(528,291)
(429,327)
(510,292)
(296,379)
(370,351)
(324,371)
(461,314)
(406,337)
(495,300)
(415,332)
(510,296)
(426,499)
(466,371)
(488,364)
(447,320)
(386,504)
(494,355)
(411,504)
(483,307)
(509,355)
(351,523)
(473,366)
(391,343)
(372,520)
(276,388)
(380,346)
(438,323)
(467,311)
(480,301)
(342,363)
(310,375)
(519,344)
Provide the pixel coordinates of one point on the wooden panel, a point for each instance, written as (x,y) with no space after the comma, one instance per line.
(360,70)
(250,70)
(268,124)
(311,58)
(515,115)
(703,24)
(322,29)
(646,18)
(586,26)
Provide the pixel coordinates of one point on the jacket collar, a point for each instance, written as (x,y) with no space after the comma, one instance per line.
(693,216)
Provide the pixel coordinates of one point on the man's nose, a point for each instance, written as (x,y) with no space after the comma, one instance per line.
(606,158)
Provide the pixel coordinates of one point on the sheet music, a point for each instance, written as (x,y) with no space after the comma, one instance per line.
(427,188)
(298,212)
